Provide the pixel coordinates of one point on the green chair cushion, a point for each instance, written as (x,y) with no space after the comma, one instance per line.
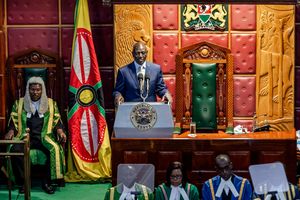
(204,95)
(37,157)
(30,72)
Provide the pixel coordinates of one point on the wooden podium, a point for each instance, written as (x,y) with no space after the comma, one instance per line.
(198,153)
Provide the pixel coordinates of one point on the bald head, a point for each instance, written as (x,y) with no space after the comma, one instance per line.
(139,52)
(224,166)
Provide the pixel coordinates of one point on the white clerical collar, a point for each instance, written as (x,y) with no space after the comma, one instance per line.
(126,192)
(36,106)
(226,184)
(176,191)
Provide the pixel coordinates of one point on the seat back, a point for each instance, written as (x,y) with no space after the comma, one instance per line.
(23,65)
(204,87)
(204,95)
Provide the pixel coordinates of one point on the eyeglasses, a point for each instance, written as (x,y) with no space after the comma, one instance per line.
(176,177)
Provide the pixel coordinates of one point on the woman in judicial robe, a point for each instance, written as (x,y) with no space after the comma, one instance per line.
(176,186)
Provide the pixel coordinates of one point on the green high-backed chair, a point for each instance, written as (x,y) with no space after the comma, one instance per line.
(204,87)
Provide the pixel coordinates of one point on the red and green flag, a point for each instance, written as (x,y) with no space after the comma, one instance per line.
(90,151)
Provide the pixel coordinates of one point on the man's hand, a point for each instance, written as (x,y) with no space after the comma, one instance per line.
(61,136)
(168,97)
(118,100)
(9,135)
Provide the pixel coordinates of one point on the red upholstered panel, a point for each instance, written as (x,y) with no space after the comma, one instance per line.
(244,122)
(165,47)
(243,17)
(297,45)
(165,17)
(67,38)
(243,48)
(171,84)
(32,12)
(297,87)
(189,39)
(103,42)
(107,76)
(244,96)
(99,14)
(20,39)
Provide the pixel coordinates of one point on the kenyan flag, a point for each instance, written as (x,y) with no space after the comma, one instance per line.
(89,140)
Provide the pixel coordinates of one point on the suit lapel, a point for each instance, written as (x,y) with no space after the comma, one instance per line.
(132,72)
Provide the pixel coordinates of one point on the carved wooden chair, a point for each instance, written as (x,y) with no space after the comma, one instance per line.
(204,87)
(22,66)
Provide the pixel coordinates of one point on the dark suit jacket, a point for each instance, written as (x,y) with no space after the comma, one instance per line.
(127,83)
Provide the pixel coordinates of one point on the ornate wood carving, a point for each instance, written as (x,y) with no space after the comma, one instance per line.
(35,57)
(187,97)
(275,65)
(205,52)
(132,24)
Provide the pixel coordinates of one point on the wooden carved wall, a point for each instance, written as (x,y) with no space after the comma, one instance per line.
(275,65)
(132,24)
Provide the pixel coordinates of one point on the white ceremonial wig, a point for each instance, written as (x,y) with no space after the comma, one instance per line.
(28,106)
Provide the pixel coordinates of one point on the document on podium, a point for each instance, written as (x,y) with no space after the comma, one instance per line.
(144,120)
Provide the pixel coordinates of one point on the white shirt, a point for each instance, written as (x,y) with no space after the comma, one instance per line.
(140,68)
(36,106)
(126,193)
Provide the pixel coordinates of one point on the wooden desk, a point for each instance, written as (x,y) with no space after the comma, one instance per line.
(198,153)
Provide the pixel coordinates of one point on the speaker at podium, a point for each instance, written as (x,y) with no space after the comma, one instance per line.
(144,120)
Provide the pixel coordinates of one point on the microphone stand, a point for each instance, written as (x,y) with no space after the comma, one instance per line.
(147,80)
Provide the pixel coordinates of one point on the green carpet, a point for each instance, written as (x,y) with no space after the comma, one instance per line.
(72,191)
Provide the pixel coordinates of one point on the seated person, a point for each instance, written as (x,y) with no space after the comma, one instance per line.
(127,84)
(226,185)
(176,186)
(292,194)
(40,115)
(129,187)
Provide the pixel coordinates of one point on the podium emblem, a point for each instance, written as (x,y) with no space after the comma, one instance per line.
(143,116)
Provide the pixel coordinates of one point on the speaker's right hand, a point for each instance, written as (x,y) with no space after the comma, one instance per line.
(119,99)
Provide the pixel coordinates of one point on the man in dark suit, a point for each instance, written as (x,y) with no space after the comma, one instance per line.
(128,84)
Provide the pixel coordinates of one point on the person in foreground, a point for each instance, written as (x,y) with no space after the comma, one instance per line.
(292,194)
(129,187)
(40,116)
(226,186)
(132,77)
(176,186)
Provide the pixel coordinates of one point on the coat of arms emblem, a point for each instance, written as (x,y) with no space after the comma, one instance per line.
(143,116)
(204,17)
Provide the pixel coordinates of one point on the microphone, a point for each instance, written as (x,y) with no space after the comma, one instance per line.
(141,82)
(147,77)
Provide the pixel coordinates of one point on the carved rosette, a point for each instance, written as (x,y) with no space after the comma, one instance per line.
(132,24)
(205,52)
(35,58)
(275,66)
